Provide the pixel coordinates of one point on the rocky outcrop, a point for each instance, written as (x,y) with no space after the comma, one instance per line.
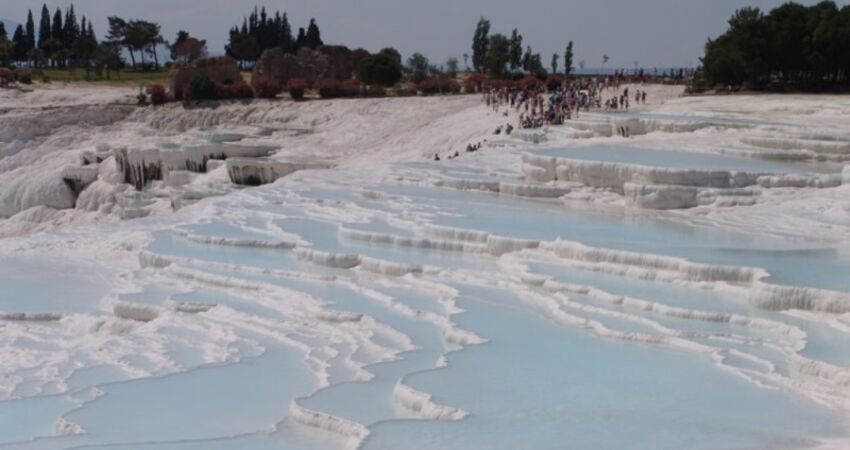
(220,69)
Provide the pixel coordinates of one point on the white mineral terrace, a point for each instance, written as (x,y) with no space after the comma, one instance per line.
(279,275)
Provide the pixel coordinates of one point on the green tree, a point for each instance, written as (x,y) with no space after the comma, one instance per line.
(5,46)
(380,68)
(45,42)
(418,65)
(284,33)
(72,28)
(30,33)
(498,55)
(452,67)
(243,47)
(535,66)
(57,36)
(117,35)
(19,45)
(568,59)
(555,57)
(515,50)
(85,47)
(300,40)
(480,44)
(793,45)
(392,53)
(186,48)
(313,37)
(108,58)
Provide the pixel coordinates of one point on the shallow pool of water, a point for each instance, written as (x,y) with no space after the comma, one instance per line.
(685,160)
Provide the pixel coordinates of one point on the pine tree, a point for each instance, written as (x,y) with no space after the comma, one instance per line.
(3,34)
(555,57)
(314,36)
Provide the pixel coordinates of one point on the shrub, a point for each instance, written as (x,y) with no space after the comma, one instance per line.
(554,82)
(329,88)
(141,99)
(497,84)
(200,88)
(452,86)
(474,82)
(351,88)
(429,86)
(528,82)
(6,76)
(379,69)
(406,90)
(296,88)
(157,94)
(266,88)
(24,76)
(376,91)
(439,86)
(236,90)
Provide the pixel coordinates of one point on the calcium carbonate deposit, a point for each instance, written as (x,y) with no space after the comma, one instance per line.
(279,275)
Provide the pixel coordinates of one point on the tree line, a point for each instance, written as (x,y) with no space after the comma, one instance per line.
(792,46)
(501,56)
(60,40)
(260,32)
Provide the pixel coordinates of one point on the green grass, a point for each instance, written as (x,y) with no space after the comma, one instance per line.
(124,76)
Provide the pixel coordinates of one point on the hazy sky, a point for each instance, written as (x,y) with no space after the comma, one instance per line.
(653,32)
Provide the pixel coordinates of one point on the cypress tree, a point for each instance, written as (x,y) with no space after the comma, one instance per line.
(72,28)
(19,44)
(286,41)
(44,31)
(313,39)
(568,59)
(301,40)
(57,31)
(30,32)
(3,34)
(263,31)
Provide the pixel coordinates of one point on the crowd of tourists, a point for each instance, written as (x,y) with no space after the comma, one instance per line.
(538,106)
